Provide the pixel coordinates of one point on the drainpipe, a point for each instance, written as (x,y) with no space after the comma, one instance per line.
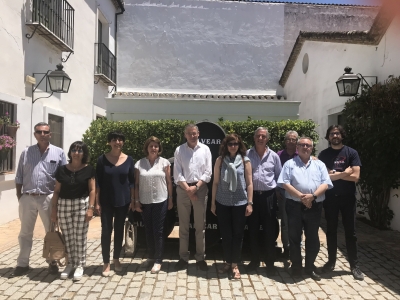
(121,6)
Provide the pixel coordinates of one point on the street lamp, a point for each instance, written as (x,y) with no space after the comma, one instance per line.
(349,83)
(58,82)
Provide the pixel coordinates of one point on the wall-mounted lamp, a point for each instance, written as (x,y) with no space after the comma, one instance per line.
(57,81)
(349,83)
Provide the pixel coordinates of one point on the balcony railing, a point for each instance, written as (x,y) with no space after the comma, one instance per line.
(54,20)
(106,64)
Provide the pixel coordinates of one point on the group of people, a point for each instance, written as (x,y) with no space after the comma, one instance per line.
(249,185)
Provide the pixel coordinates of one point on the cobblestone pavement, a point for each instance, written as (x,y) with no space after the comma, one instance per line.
(379,256)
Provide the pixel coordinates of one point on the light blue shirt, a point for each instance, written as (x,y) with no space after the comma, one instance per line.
(36,171)
(265,170)
(306,178)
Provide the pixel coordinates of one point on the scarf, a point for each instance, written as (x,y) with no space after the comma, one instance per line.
(230,175)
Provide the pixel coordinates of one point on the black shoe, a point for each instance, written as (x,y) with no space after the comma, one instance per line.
(202,265)
(271,271)
(252,266)
(18,271)
(328,267)
(53,268)
(357,274)
(181,265)
(314,275)
(295,272)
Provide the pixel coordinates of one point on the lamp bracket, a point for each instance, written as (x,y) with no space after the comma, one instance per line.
(34,87)
(113,89)
(363,78)
(96,82)
(33,101)
(29,36)
(65,59)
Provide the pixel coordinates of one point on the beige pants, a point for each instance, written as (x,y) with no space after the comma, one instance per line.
(29,208)
(199,215)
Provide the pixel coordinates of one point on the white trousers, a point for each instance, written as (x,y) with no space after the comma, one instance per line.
(29,207)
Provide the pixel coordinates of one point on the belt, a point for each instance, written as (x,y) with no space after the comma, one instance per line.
(36,194)
(263,192)
(192,184)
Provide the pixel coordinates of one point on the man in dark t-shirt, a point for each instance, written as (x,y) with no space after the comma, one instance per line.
(343,164)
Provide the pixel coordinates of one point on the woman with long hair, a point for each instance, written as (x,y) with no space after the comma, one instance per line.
(114,196)
(73,204)
(153,197)
(231,202)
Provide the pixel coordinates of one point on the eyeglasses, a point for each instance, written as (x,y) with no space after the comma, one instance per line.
(77,150)
(45,132)
(305,145)
(261,136)
(335,133)
(292,140)
(233,144)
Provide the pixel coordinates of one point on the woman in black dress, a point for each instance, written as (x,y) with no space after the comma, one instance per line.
(115,189)
(73,204)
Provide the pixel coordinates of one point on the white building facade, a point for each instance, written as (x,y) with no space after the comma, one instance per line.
(36,36)
(318,60)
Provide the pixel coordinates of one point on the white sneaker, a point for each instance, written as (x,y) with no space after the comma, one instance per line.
(78,273)
(148,262)
(156,268)
(65,274)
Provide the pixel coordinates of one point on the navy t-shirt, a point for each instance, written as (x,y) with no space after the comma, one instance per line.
(115,181)
(339,160)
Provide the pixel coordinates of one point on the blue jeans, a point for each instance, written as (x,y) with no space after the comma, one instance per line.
(309,219)
(231,222)
(107,214)
(153,216)
(346,205)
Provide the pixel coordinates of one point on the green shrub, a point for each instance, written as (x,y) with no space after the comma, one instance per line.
(170,132)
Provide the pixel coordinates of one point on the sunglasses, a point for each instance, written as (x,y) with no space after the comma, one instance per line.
(77,150)
(304,145)
(233,144)
(335,133)
(42,132)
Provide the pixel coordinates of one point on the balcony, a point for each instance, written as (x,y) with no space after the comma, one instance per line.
(106,65)
(54,20)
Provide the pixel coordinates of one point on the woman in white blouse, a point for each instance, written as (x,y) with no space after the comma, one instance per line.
(153,197)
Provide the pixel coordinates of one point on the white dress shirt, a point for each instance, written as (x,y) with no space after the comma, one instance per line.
(192,165)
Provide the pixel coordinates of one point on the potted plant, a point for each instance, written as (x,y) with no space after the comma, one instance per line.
(6,144)
(12,128)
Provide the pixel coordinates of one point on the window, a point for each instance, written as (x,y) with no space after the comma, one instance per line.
(57,129)
(7,163)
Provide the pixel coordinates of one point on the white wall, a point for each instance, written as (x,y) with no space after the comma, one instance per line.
(21,57)
(200,46)
(200,109)
(317,89)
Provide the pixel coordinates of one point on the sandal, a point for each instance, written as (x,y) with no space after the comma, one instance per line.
(235,272)
(224,269)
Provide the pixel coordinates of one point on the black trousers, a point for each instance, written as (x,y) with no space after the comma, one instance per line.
(298,218)
(346,205)
(264,213)
(153,216)
(231,222)
(107,224)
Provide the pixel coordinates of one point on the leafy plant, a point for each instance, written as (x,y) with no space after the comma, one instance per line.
(170,132)
(5,119)
(372,121)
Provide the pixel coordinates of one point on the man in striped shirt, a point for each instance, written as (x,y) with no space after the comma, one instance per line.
(35,183)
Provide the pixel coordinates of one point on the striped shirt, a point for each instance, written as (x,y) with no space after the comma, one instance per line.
(36,171)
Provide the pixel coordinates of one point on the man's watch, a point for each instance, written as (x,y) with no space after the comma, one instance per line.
(250,203)
(333,171)
(197,187)
(315,196)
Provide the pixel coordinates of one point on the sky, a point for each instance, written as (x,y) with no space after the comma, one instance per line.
(357,2)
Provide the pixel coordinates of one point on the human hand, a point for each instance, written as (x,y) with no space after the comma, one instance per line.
(98,208)
(89,215)
(307,200)
(191,190)
(249,210)
(170,204)
(348,171)
(213,208)
(138,207)
(53,216)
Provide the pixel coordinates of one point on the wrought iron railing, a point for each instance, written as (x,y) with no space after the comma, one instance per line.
(7,163)
(57,16)
(106,62)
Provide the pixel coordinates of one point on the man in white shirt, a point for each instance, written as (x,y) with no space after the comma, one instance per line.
(192,172)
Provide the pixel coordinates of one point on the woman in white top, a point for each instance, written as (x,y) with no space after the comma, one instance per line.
(153,196)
